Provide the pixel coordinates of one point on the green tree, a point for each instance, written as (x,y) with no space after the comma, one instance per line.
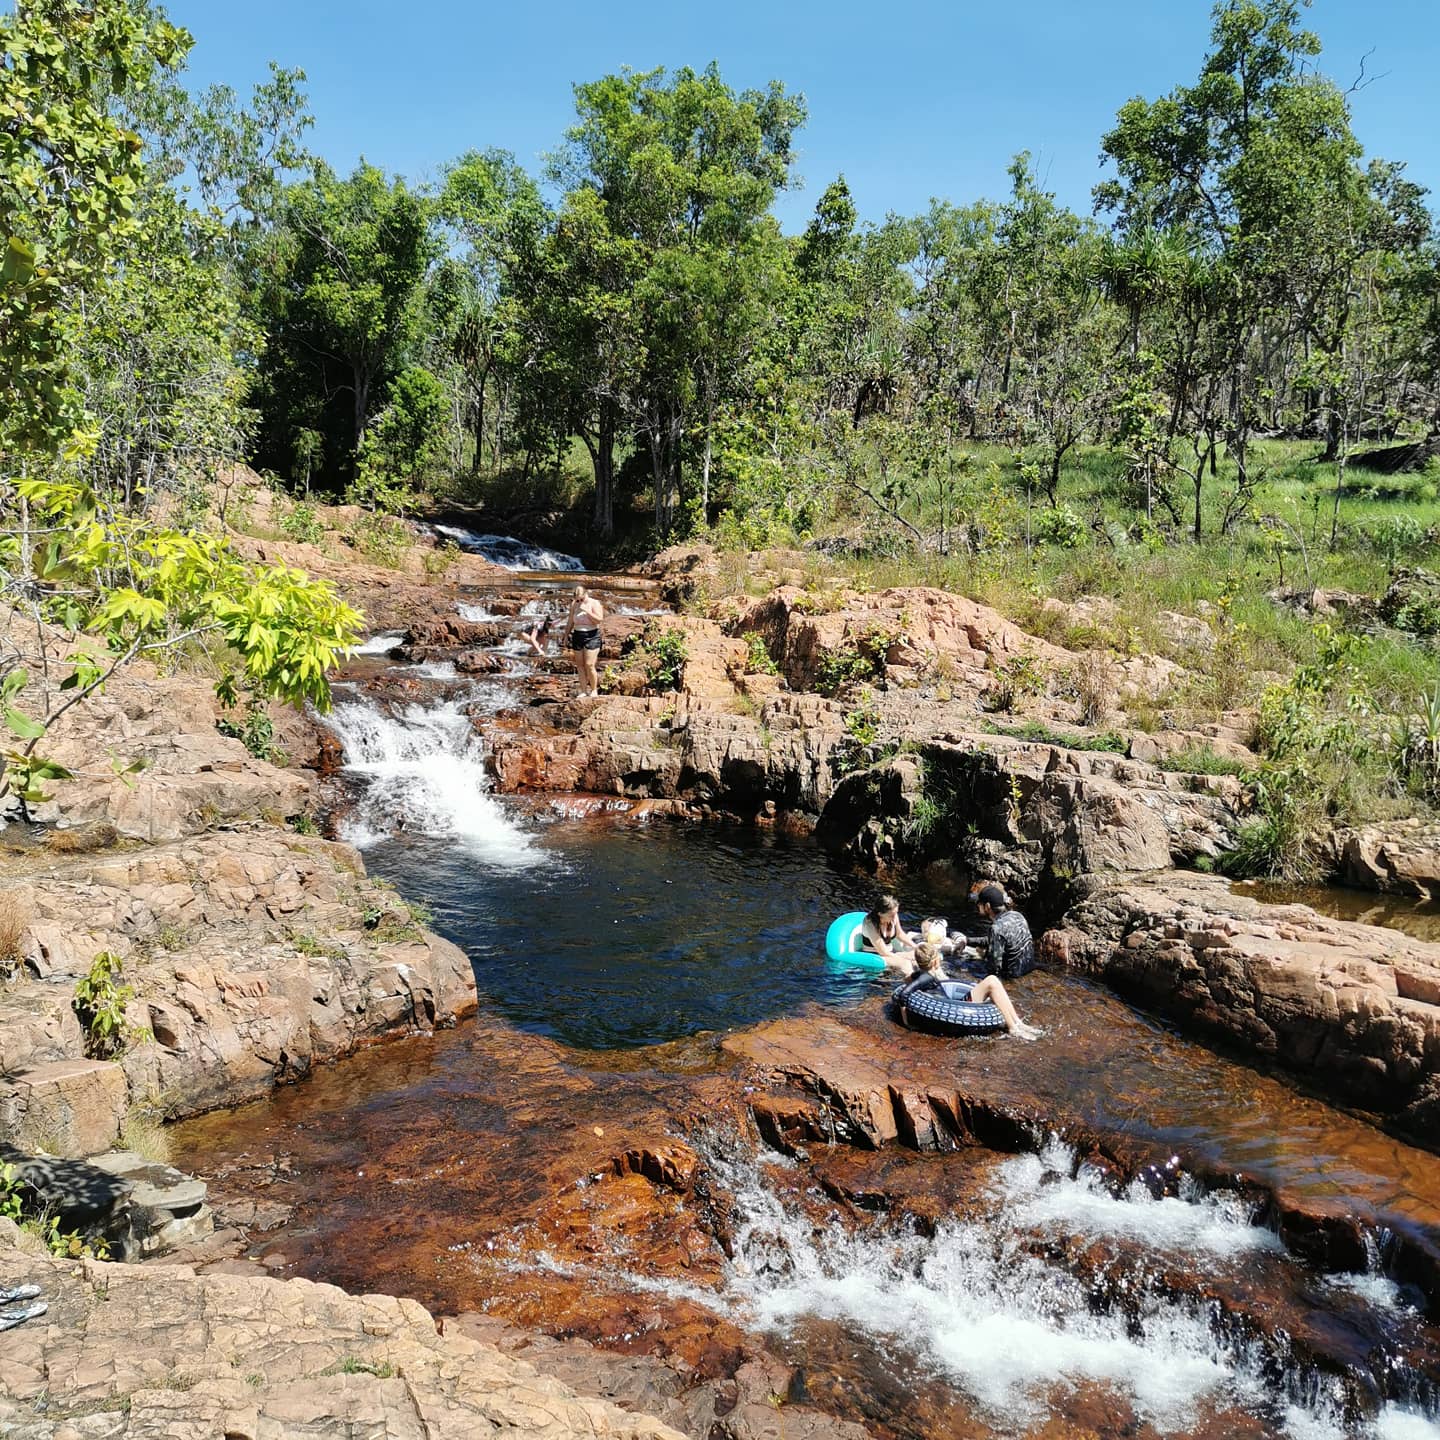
(340,304)
(70,178)
(685,171)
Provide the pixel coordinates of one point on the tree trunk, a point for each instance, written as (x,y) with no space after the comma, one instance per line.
(362,405)
(661,476)
(602,458)
(705,463)
(480,423)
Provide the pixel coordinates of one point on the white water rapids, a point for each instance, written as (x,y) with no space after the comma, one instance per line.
(423,770)
(507,551)
(975,1307)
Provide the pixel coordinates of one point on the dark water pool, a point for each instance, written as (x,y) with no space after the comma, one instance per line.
(635,935)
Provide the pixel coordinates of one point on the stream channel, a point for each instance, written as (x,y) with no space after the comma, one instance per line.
(979,1293)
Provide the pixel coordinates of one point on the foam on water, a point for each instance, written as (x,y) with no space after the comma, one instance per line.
(1397,1422)
(1048,1192)
(423,770)
(510,553)
(477,613)
(381,644)
(1007,1327)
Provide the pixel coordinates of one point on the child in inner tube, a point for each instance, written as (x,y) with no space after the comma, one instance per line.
(989,991)
(880,934)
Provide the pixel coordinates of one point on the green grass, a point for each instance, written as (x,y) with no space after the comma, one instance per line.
(1042,734)
(1202,760)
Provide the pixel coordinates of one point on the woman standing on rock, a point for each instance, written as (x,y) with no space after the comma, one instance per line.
(582,635)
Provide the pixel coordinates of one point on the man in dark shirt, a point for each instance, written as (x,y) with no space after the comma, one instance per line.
(1011,951)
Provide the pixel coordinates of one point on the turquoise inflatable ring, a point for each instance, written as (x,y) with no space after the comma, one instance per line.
(842,943)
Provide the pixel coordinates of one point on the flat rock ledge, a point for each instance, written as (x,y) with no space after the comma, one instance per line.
(254,955)
(137,1351)
(1354,1009)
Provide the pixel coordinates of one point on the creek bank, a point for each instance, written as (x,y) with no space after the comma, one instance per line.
(1351,1009)
(131,1350)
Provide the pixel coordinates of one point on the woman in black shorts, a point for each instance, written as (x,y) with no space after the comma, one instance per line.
(582,635)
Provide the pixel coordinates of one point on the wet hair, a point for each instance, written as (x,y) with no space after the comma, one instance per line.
(993,896)
(927,957)
(885,905)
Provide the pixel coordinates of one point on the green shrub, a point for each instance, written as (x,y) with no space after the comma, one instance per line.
(301,523)
(99,1003)
(1016,678)
(666,651)
(256,731)
(1415,748)
(860,663)
(861,745)
(1059,526)
(67,1244)
(757,655)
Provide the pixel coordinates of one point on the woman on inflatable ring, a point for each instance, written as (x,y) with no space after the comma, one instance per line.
(989,992)
(881,935)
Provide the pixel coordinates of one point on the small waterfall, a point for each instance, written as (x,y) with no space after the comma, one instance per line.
(980,1305)
(381,644)
(507,551)
(423,770)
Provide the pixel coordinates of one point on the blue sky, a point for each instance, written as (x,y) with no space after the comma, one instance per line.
(908,100)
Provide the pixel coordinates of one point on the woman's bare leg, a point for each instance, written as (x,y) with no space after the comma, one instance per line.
(990,990)
(592,678)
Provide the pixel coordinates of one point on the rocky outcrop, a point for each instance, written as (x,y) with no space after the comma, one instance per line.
(667,747)
(132,1351)
(757,1403)
(1353,1008)
(906,633)
(253,955)
(1031,815)
(1400,856)
(146,758)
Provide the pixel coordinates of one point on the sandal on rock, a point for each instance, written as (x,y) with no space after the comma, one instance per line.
(19,1292)
(9,1319)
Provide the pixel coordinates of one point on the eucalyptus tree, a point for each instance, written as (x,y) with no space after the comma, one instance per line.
(683,172)
(1256,170)
(490,210)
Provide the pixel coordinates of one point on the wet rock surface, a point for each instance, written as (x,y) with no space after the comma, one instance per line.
(585,1196)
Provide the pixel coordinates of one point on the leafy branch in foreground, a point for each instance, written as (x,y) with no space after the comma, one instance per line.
(142,590)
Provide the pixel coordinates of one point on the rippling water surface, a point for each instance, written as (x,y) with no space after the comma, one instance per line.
(622,935)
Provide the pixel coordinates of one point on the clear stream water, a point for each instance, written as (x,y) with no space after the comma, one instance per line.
(609,936)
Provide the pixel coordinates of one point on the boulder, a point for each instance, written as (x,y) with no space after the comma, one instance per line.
(1031,815)
(67,1107)
(1398,856)
(907,632)
(1355,1007)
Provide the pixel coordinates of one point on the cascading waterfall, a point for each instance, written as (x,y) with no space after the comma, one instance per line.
(423,770)
(977,1307)
(507,551)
